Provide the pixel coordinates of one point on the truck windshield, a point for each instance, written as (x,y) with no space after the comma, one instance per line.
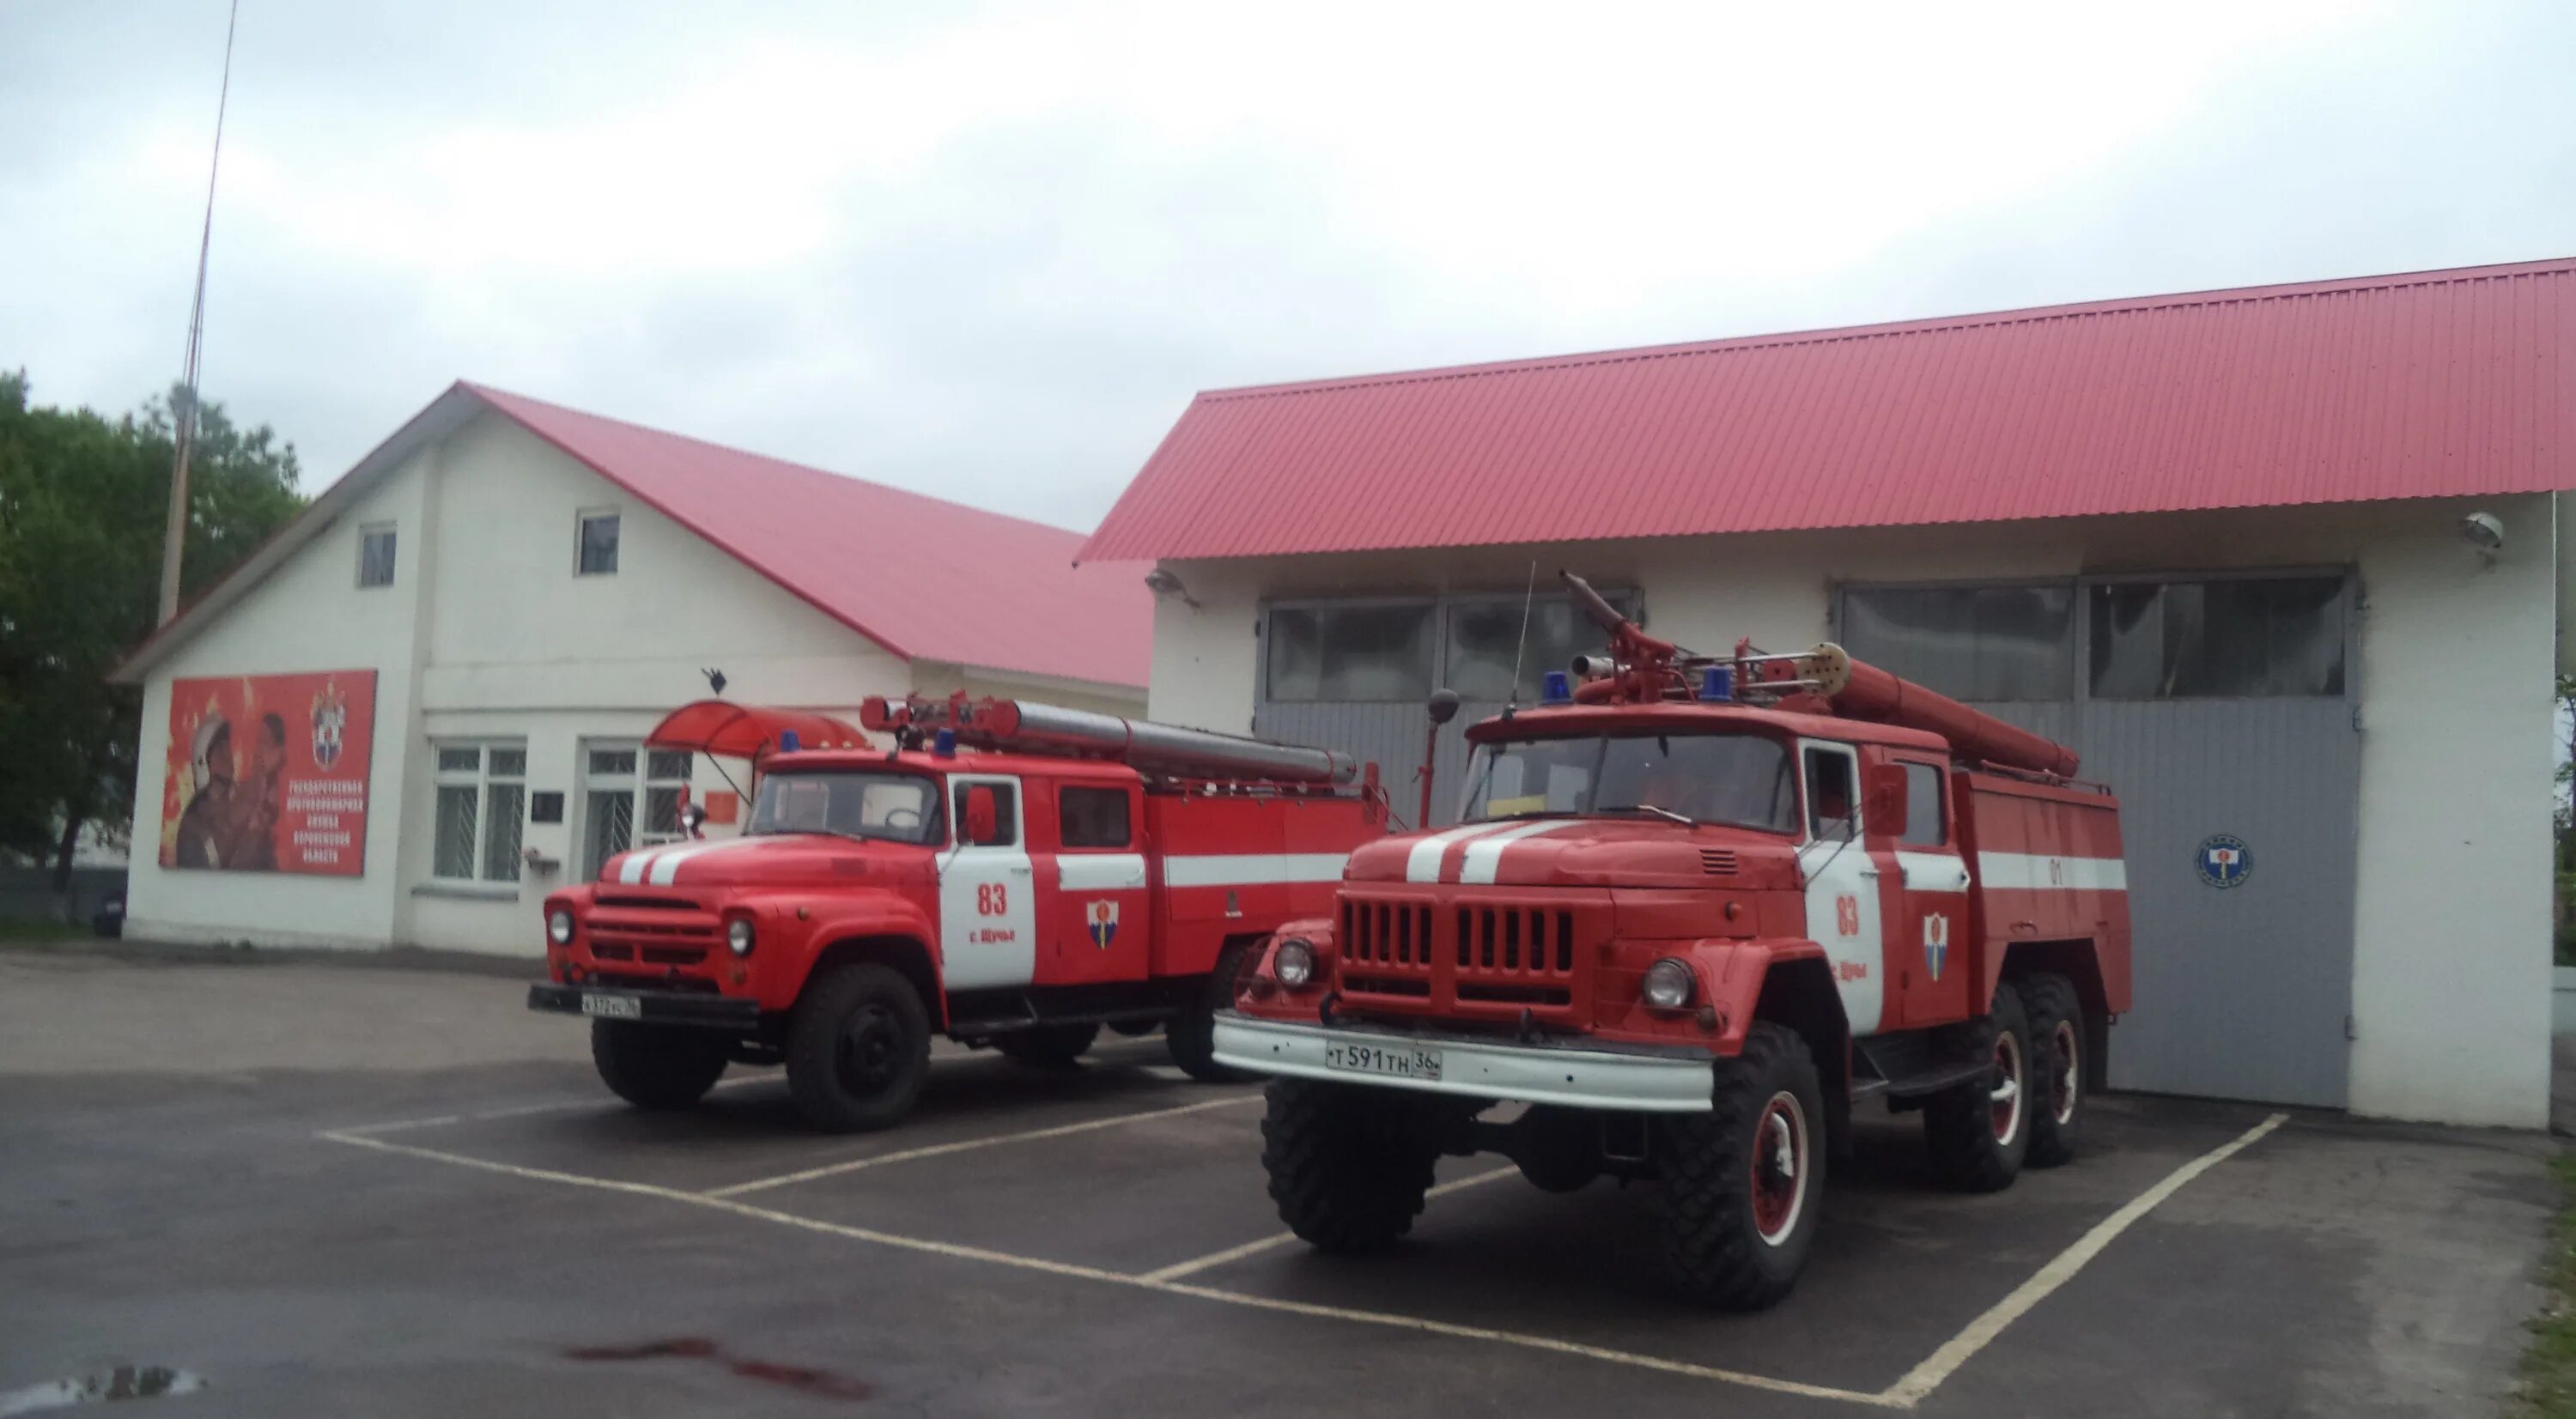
(1742,780)
(849,803)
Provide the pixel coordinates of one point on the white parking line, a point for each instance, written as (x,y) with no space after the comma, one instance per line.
(1963,1347)
(1197,1264)
(1906,1393)
(939,1150)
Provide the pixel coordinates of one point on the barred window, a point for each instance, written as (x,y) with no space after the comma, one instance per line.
(480,810)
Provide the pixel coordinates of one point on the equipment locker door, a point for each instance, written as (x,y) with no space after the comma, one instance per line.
(987,918)
(1842,882)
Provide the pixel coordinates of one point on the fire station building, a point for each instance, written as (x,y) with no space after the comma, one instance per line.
(421,706)
(2282,564)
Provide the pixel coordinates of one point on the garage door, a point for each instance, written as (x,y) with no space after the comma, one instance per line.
(2219,709)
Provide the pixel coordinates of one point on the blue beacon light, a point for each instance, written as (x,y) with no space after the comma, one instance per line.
(1717,684)
(944,744)
(1556,689)
(788,743)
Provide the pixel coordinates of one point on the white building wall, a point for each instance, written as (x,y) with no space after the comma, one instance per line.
(2451,970)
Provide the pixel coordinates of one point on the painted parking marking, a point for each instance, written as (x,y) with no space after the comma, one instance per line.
(1276,1240)
(968,1145)
(1908,1391)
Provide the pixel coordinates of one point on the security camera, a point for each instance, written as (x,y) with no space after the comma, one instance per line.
(1161,582)
(2484,531)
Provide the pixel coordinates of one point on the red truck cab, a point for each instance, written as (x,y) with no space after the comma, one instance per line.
(1698,908)
(989,878)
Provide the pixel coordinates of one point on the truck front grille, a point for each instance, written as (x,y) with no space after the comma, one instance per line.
(668,931)
(1416,954)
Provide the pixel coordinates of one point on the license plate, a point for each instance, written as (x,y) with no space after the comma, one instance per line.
(1394,1061)
(612,1007)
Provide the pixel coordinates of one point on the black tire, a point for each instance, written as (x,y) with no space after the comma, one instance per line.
(657,1066)
(858,1048)
(1974,1148)
(1348,1164)
(1191,1032)
(1131,1029)
(2061,1075)
(1047,1046)
(1736,1224)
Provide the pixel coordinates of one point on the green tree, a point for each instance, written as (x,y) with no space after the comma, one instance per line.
(83,503)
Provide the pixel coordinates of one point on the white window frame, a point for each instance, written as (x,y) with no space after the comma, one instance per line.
(480,778)
(367,532)
(581,522)
(637,786)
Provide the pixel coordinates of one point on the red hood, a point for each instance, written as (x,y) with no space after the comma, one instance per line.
(1580,852)
(770,860)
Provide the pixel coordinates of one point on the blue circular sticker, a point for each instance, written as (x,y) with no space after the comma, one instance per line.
(2223,860)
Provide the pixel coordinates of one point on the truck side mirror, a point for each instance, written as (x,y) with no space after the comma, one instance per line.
(1886,799)
(983,816)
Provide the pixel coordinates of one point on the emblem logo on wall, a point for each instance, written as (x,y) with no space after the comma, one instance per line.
(330,721)
(1936,943)
(1102,918)
(2223,860)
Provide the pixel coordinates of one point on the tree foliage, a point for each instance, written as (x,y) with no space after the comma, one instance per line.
(83,504)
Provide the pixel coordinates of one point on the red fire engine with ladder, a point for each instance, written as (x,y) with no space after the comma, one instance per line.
(1697,909)
(1011,874)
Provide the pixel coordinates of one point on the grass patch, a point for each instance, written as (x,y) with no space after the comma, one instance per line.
(2548,1389)
(36,928)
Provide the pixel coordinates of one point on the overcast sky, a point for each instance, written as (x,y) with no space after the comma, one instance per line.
(990,251)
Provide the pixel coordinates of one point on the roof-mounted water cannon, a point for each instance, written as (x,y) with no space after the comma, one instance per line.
(1641,669)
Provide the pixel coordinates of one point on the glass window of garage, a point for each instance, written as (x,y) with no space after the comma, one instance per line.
(480,811)
(2231,638)
(1968,642)
(1359,651)
(1092,817)
(1485,642)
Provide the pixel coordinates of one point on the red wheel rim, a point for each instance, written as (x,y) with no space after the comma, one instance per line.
(1779,1168)
(2005,1102)
(2066,1076)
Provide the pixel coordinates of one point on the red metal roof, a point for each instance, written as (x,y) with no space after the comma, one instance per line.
(2439,383)
(926,579)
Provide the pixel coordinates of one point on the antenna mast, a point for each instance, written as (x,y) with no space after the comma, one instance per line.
(174,536)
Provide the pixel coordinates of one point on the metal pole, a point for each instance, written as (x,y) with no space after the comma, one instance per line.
(174,533)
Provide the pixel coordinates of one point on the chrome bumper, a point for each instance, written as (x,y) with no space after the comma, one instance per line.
(1479,1068)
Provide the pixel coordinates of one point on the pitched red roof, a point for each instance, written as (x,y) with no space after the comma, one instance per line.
(927,579)
(2431,384)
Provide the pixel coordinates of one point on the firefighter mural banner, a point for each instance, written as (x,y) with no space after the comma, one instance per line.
(268,773)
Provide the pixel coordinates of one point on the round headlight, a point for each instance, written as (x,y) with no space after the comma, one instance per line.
(1294,962)
(559,927)
(1669,984)
(738,936)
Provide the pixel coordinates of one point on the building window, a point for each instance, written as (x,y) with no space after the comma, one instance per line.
(1092,817)
(1485,642)
(481,808)
(2237,638)
(1924,826)
(376,555)
(1970,643)
(623,808)
(597,545)
(1354,652)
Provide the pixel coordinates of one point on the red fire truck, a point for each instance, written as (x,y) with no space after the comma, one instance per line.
(1698,907)
(1011,874)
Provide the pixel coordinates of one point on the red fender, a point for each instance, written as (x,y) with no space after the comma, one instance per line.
(886,916)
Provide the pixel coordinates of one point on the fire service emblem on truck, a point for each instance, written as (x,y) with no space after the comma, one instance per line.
(1102,917)
(1936,943)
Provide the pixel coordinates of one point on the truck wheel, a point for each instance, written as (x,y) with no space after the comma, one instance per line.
(1744,1182)
(858,1049)
(1349,1165)
(2058,1069)
(657,1066)
(1979,1132)
(1191,1032)
(1048,1046)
